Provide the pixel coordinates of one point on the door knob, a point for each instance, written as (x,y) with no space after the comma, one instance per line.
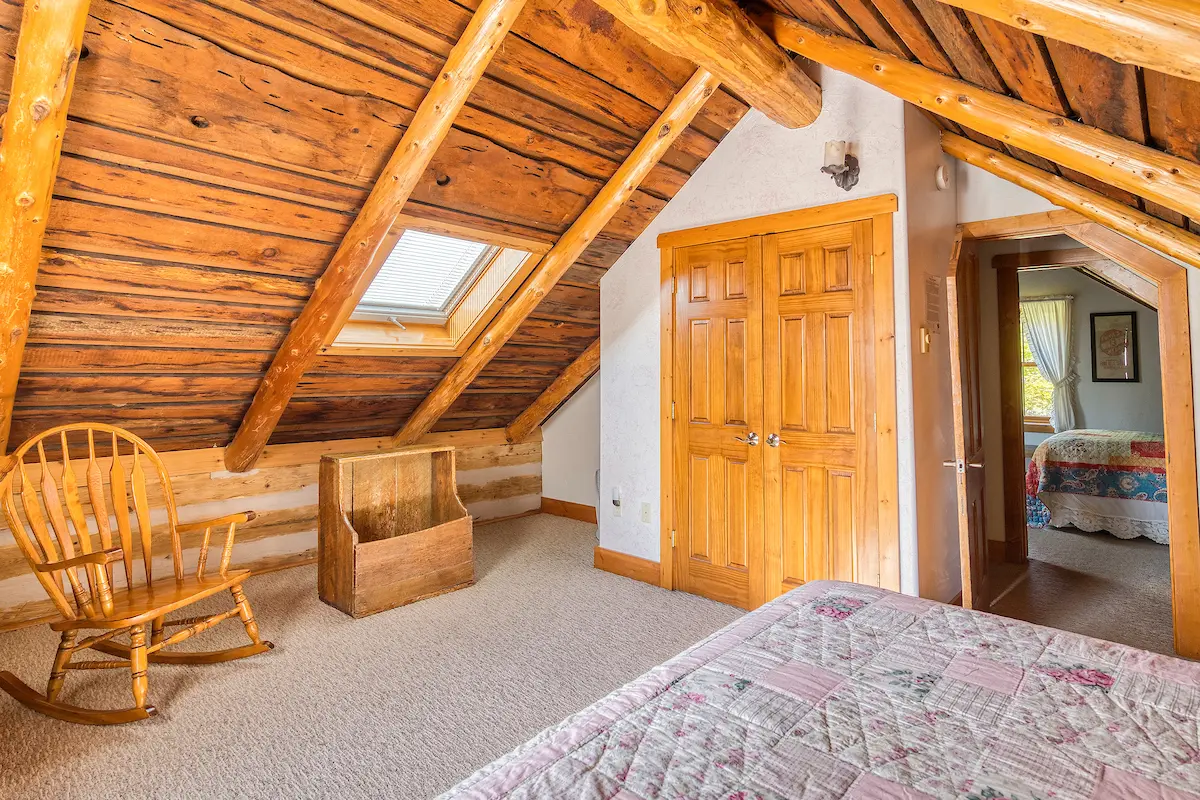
(774,440)
(751,439)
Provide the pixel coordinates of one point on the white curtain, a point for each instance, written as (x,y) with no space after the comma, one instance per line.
(1048,331)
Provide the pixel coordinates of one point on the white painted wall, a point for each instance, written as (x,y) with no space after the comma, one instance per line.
(760,168)
(981,195)
(931,222)
(571,447)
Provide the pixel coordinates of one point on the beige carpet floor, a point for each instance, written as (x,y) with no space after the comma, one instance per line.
(399,705)
(1097,585)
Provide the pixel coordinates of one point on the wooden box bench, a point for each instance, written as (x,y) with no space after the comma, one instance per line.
(391,530)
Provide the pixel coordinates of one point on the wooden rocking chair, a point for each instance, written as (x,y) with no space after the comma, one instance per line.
(41,531)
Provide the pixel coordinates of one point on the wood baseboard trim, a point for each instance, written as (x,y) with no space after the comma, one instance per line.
(626,565)
(565,508)
(480,522)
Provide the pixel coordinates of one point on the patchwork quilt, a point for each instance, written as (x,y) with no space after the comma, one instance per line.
(837,690)
(1117,465)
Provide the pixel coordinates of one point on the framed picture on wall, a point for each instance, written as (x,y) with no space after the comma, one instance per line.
(1114,347)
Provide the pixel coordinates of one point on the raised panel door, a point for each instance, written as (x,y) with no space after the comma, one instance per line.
(719,404)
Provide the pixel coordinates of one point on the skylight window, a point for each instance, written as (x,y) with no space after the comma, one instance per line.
(423,277)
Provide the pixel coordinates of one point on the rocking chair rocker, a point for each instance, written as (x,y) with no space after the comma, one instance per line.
(98,604)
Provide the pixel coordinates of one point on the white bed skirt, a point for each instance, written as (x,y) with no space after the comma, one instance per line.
(1125,519)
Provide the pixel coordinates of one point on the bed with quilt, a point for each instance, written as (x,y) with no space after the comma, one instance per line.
(1098,480)
(837,690)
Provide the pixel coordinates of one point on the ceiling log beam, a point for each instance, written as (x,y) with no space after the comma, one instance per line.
(574,376)
(47,55)
(1161,236)
(374,230)
(1163,178)
(1159,34)
(719,37)
(599,212)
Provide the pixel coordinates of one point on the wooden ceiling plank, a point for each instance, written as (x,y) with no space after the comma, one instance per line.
(875,27)
(912,28)
(563,387)
(372,228)
(1022,61)
(560,258)
(1158,34)
(1173,111)
(1165,179)
(719,37)
(1101,91)
(47,55)
(960,43)
(1130,222)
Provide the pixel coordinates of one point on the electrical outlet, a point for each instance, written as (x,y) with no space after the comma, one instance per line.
(646,513)
(617,510)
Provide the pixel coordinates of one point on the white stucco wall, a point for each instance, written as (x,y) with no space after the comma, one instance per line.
(931,221)
(571,447)
(760,168)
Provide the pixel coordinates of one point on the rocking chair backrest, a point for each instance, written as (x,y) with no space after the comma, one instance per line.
(57,528)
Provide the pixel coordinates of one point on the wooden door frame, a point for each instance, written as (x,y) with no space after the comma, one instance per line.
(1179,421)
(878,211)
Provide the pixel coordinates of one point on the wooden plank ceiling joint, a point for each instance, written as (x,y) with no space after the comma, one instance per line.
(48,48)
(720,38)
(374,228)
(673,120)
(1116,161)
(574,376)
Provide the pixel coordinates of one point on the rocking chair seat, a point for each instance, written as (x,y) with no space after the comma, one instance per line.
(150,601)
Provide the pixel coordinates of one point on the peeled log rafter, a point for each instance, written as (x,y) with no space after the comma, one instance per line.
(1159,34)
(718,37)
(44,71)
(1163,178)
(574,376)
(1161,236)
(673,120)
(374,229)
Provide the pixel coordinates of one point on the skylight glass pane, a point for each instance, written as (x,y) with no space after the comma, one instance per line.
(424,273)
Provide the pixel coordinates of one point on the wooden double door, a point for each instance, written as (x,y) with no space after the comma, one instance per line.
(773,447)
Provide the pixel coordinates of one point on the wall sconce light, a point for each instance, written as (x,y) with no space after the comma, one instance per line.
(841,165)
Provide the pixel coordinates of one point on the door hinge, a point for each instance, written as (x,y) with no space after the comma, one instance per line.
(872,263)
(672,409)
(875,421)
(674,285)
(672,537)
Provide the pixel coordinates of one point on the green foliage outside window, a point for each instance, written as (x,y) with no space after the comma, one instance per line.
(1036,390)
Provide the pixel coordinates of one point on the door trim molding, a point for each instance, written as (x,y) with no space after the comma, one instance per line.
(814,217)
(1179,421)
(878,211)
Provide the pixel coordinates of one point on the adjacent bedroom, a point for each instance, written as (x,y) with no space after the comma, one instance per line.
(1093,497)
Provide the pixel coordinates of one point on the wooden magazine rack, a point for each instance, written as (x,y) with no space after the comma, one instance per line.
(391,530)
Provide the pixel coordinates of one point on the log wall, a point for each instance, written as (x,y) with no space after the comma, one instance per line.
(495,480)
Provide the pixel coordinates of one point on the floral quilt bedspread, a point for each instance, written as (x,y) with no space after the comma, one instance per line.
(837,690)
(1127,465)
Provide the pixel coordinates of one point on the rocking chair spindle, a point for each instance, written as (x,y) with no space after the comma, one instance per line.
(54,528)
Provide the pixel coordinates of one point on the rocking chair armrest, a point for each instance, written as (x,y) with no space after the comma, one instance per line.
(99,557)
(228,519)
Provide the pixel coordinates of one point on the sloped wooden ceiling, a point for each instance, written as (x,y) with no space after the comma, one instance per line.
(217,152)
(1138,104)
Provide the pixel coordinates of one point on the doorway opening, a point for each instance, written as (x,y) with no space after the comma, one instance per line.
(1077,483)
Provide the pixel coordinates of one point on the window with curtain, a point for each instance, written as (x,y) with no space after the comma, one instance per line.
(1037,393)
(1047,339)
(424,277)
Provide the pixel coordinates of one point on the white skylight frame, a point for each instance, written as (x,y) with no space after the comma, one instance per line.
(424,278)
